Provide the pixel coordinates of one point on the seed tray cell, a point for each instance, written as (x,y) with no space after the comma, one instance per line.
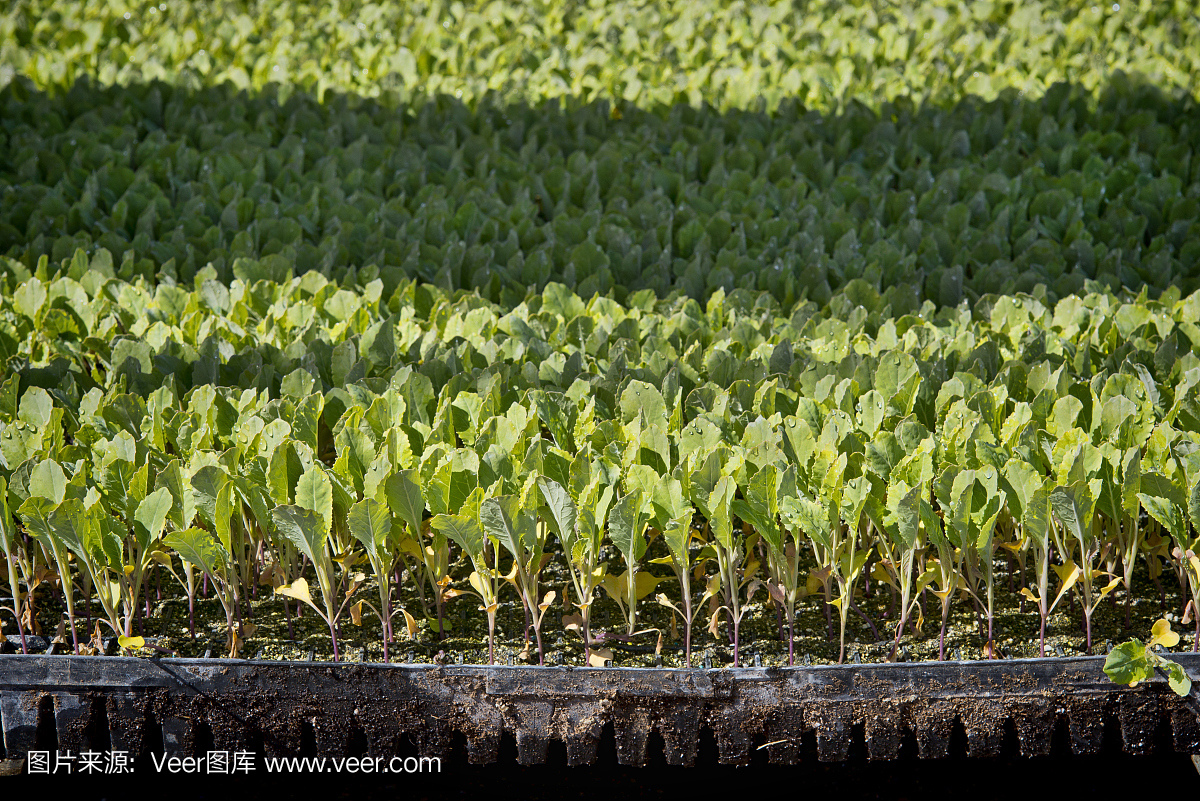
(175,705)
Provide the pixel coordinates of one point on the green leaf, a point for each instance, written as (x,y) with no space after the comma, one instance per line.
(370,523)
(183,508)
(48,481)
(29,298)
(304,528)
(465,531)
(703,479)
(503,518)
(908,519)
(152,513)
(561,506)
(306,420)
(677,533)
(207,484)
(720,503)
(627,526)
(36,407)
(313,491)
(1074,506)
(197,547)
(1037,519)
(698,435)
(8,531)
(1128,664)
(669,502)
(283,472)
(403,493)
(1194,505)
(640,398)
(809,516)
(1167,514)
(871,412)
(1177,678)
(453,481)
(226,507)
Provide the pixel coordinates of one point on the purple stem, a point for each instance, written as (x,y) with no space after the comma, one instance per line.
(20,628)
(441,631)
(525,608)
(287,615)
(863,615)
(736,626)
(254,571)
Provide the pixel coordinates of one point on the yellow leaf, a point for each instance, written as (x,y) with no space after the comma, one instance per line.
(882,574)
(547,600)
(712,622)
(645,584)
(298,589)
(1161,634)
(1068,574)
(663,600)
(1028,594)
(751,589)
(411,623)
(138,642)
(711,590)
(600,656)
(813,584)
(356,613)
(614,587)
(573,623)
(1065,571)
(129,570)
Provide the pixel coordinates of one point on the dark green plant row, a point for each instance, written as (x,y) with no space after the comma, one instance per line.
(893,207)
(343,444)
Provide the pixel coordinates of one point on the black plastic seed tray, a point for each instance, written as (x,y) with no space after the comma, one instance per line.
(180,706)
